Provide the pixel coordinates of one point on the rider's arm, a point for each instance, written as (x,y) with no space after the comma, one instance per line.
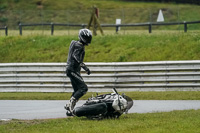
(79,56)
(85,68)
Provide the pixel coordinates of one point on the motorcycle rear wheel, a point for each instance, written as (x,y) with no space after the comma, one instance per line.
(91,110)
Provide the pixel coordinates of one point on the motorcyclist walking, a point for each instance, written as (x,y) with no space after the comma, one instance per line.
(74,64)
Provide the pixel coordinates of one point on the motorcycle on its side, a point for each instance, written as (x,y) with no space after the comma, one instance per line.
(111,105)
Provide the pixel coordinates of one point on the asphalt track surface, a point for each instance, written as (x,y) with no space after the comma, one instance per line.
(50,109)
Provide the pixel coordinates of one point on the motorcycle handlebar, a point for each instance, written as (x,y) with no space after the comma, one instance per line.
(115,91)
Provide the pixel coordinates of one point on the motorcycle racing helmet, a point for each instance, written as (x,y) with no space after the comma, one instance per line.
(85,36)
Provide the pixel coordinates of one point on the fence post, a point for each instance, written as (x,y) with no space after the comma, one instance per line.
(185,26)
(20,29)
(52,28)
(150,28)
(6,30)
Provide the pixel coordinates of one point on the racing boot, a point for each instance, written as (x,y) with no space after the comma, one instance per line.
(71,105)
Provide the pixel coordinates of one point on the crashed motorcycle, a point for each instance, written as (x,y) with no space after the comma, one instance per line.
(111,105)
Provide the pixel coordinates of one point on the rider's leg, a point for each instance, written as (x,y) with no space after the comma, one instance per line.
(80,88)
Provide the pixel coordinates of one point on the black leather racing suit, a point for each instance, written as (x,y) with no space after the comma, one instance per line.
(74,63)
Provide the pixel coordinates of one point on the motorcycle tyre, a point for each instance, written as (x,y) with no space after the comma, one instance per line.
(91,110)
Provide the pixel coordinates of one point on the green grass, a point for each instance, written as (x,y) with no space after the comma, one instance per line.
(136,95)
(83,4)
(122,48)
(165,122)
(67,11)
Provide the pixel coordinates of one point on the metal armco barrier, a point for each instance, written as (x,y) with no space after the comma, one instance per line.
(125,76)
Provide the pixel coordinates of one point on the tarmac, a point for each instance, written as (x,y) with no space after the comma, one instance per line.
(52,109)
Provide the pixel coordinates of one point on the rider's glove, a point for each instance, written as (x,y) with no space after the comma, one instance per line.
(85,68)
(88,71)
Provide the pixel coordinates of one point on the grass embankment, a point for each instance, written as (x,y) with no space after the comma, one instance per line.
(76,11)
(166,95)
(109,48)
(82,5)
(166,122)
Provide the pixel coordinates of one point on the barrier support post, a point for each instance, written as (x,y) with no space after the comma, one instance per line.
(185,26)
(20,29)
(52,28)
(6,30)
(150,28)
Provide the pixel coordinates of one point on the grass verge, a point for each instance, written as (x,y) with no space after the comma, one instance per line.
(136,95)
(122,48)
(165,122)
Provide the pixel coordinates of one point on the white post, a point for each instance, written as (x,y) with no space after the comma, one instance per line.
(118,21)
